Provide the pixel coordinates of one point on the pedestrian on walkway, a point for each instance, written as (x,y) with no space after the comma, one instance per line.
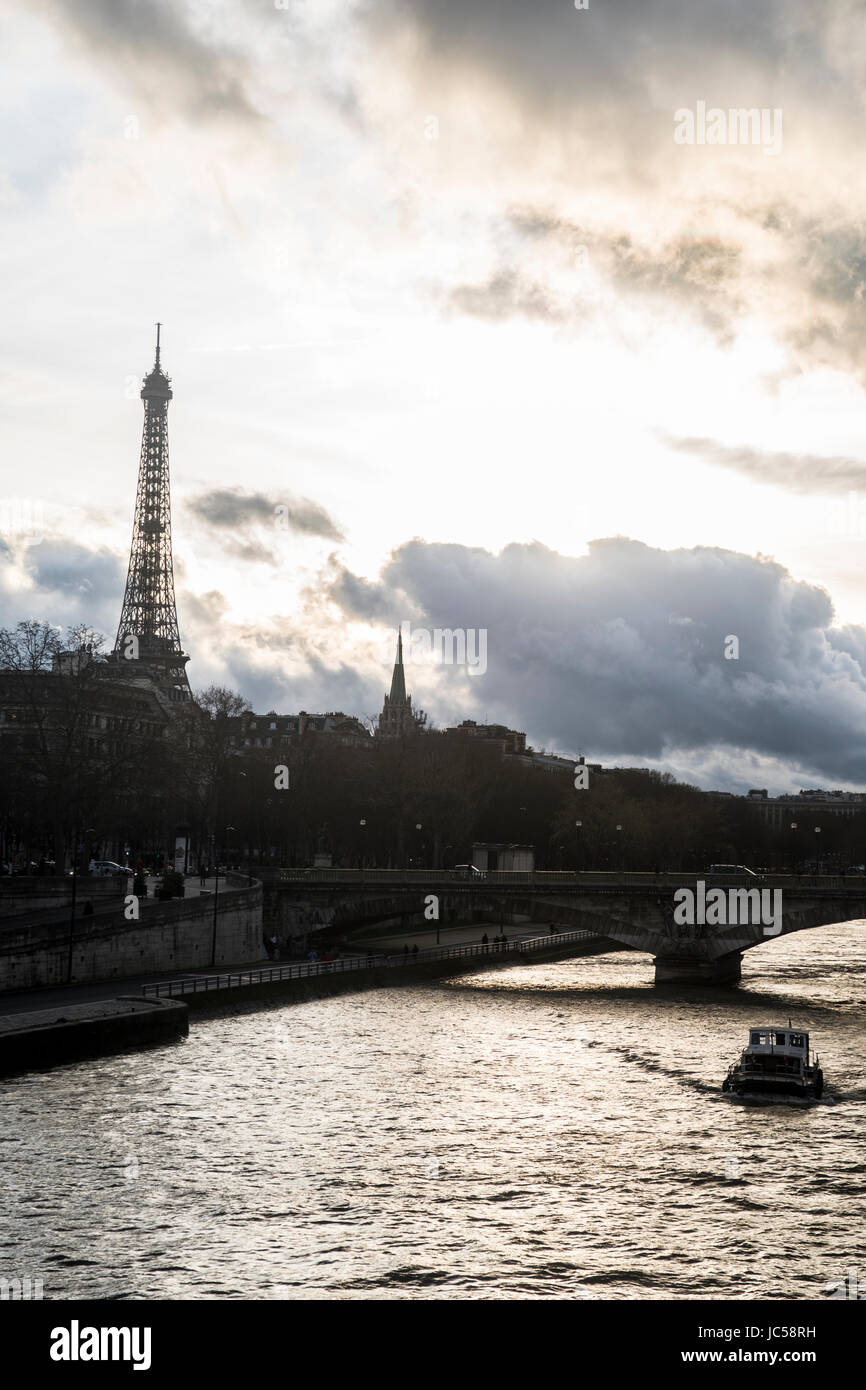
(415,949)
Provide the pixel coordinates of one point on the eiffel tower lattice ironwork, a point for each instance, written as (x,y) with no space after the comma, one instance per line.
(148,630)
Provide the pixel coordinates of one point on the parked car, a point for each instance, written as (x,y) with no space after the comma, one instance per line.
(103,868)
(469,871)
(732,869)
(23,867)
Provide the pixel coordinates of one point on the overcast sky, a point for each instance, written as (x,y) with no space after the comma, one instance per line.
(459,335)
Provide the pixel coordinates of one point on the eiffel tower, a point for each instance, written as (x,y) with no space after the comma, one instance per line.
(148,631)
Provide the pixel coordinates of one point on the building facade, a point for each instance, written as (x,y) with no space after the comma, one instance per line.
(510,742)
(250,731)
(781,812)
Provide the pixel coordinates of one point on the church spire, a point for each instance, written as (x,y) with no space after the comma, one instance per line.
(398,717)
(398,679)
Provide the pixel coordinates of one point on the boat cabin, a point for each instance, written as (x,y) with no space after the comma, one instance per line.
(789,1042)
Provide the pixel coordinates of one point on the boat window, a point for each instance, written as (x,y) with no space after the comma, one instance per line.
(780,1040)
(796,1039)
(758,1039)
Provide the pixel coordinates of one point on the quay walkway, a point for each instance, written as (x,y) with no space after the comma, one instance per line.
(240,979)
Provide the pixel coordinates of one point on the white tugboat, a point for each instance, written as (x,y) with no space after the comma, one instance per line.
(776,1065)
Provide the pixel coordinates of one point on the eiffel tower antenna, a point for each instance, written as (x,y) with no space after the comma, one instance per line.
(149,614)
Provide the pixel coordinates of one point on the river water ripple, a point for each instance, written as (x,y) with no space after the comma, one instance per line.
(547,1131)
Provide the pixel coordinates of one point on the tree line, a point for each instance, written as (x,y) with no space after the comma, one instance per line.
(72,789)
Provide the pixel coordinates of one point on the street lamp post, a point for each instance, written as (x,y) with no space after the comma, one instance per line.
(793,847)
(419,827)
(216,898)
(818,851)
(578,825)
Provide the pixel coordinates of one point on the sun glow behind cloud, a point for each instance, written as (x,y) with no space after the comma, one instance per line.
(438,290)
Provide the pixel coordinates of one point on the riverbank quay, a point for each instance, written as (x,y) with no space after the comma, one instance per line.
(67,1031)
(294,983)
(41,1038)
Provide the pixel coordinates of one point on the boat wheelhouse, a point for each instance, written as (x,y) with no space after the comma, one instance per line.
(776,1063)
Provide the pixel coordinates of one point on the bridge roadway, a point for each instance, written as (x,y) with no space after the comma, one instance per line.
(635,910)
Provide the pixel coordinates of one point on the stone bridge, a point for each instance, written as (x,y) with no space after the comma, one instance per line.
(632,910)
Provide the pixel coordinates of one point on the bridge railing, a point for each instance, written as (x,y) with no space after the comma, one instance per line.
(397,877)
(588,878)
(195,984)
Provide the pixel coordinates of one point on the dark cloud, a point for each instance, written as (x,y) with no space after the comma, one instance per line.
(555,57)
(65,567)
(594,93)
(235,511)
(828,254)
(314,687)
(201,611)
(800,473)
(359,598)
(700,272)
(68,583)
(621,652)
(308,518)
(153,50)
(810,278)
(505,295)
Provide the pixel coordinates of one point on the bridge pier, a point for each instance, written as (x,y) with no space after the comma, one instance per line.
(679,970)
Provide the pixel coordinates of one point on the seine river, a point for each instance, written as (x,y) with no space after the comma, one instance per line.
(550,1131)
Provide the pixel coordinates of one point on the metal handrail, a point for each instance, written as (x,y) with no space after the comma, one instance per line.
(194,983)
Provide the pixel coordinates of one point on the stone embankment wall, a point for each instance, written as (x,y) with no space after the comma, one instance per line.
(175,935)
(19,893)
